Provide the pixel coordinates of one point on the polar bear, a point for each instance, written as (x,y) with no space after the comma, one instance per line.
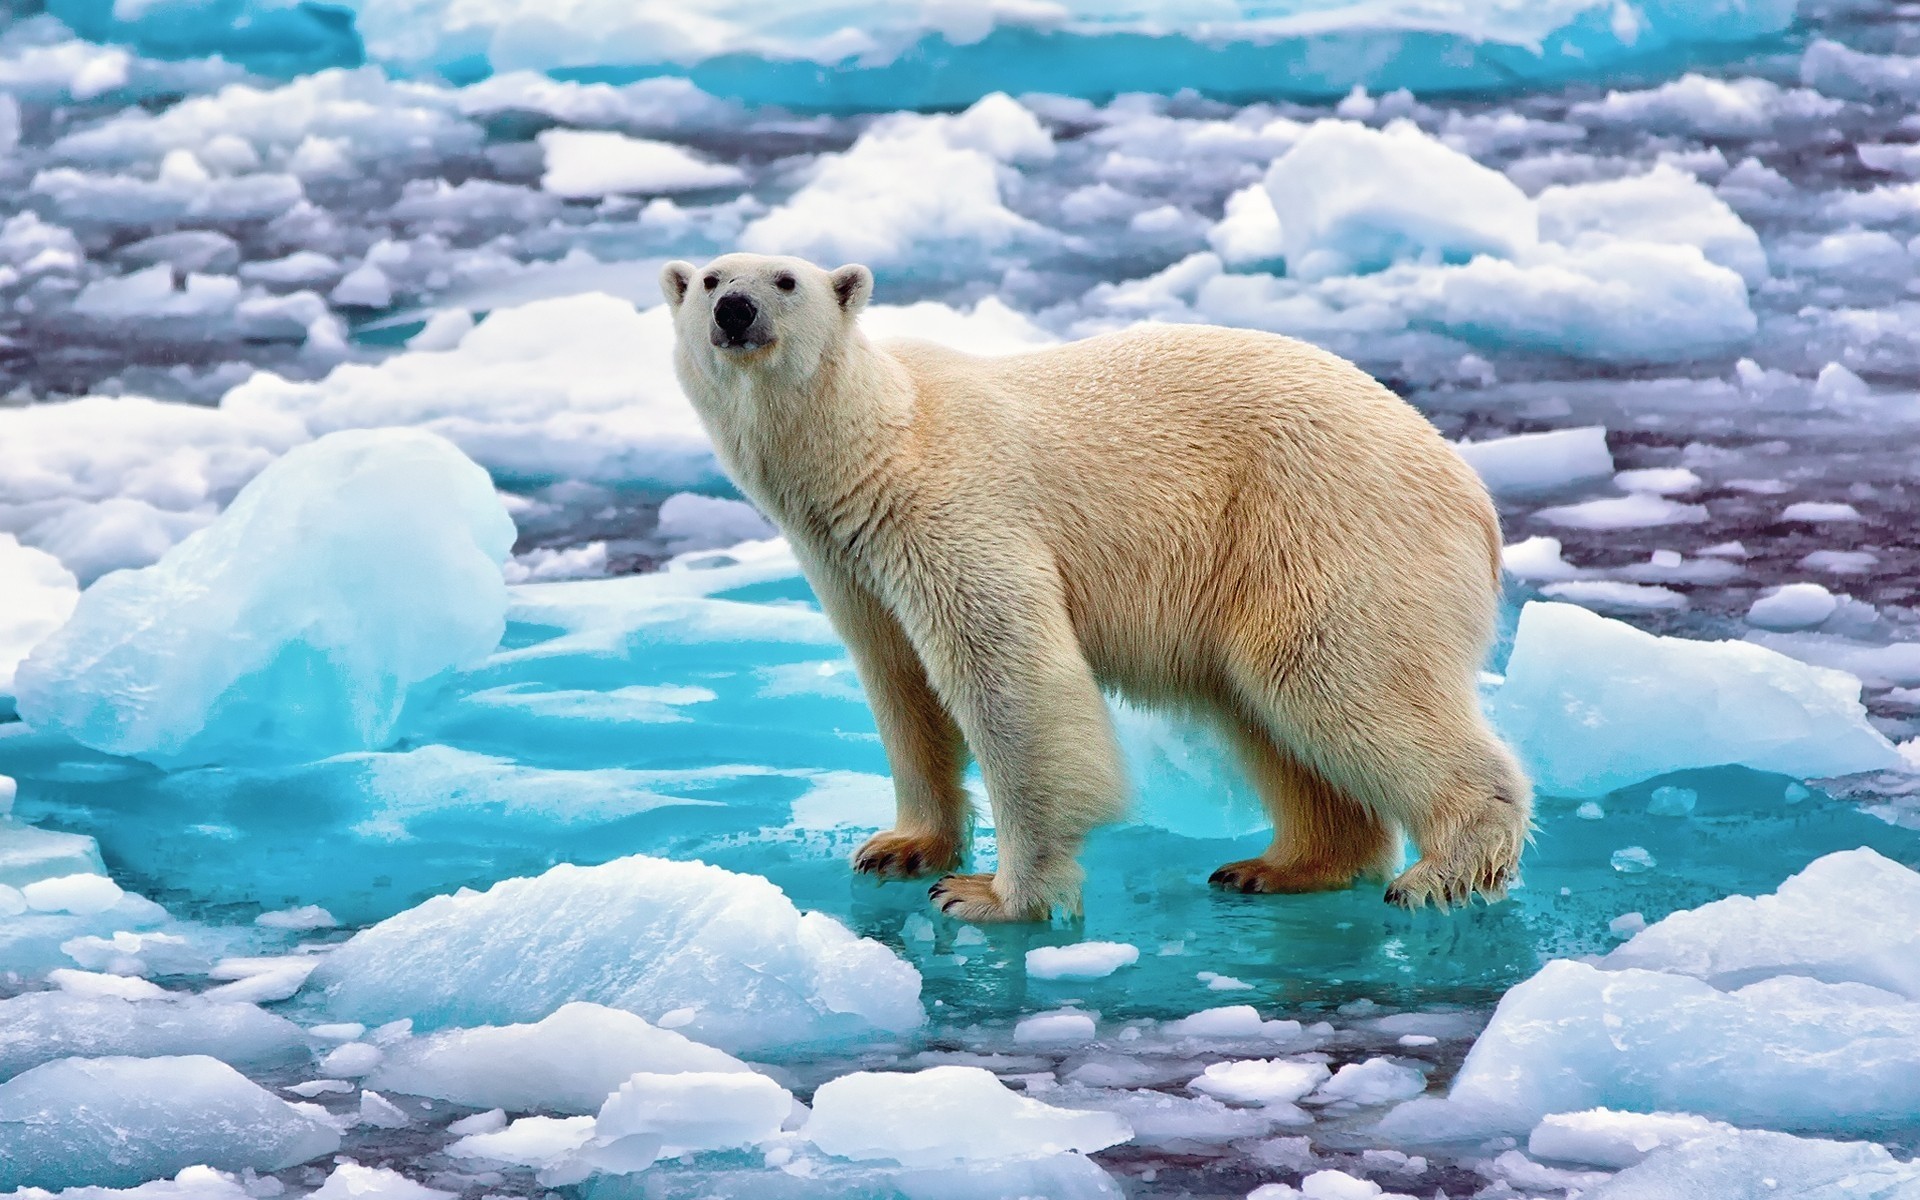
(1229,524)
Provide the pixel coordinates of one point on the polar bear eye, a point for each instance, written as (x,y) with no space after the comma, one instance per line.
(784,282)
(712,281)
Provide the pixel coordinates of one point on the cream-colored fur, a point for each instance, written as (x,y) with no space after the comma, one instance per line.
(1230,524)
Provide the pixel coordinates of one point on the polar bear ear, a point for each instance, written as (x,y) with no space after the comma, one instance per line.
(853,284)
(675,278)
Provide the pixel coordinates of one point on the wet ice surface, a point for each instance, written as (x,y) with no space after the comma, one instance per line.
(1697,288)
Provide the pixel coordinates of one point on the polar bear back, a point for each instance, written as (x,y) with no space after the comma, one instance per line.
(1164,465)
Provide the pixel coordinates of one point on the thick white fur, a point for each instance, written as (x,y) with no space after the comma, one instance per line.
(1233,524)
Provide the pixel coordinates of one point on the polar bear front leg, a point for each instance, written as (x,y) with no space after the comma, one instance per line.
(1000,650)
(924,747)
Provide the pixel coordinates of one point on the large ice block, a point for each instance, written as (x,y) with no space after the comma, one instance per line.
(1593,704)
(350,573)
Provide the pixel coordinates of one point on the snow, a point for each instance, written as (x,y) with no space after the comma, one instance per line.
(1744,1010)
(945,1116)
(1592,704)
(1082,960)
(113,1122)
(642,934)
(567,1063)
(1351,199)
(349,573)
(589,163)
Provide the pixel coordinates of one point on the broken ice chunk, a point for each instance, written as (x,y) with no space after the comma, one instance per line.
(568,1063)
(114,1122)
(643,934)
(1592,704)
(948,1115)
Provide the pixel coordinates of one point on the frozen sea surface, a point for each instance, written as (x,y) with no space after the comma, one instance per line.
(446,935)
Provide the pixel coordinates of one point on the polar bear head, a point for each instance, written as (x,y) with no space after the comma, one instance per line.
(760,315)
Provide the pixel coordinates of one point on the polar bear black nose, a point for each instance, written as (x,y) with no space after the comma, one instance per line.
(734,313)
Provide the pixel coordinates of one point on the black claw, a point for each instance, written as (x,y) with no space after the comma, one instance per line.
(948,906)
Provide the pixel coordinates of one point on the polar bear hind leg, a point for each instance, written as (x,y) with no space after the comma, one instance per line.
(1323,840)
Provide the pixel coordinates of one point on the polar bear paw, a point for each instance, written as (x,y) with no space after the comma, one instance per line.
(1427,883)
(891,854)
(1260,875)
(972,898)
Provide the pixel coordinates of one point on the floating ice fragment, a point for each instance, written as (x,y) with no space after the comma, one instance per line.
(1053,1028)
(1375,1081)
(1539,462)
(1601,1137)
(1762,1165)
(589,163)
(1635,510)
(351,1181)
(643,934)
(1326,1185)
(301,919)
(1260,1080)
(38,1027)
(1672,802)
(351,1060)
(1236,1022)
(948,1115)
(1351,199)
(1793,606)
(381,1113)
(1752,1011)
(691,1111)
(1612,596)
(1819,511)
(1082,960)
(350,572)
(80,894)
(118,1121)
(1632,860)
(528,1142)
(567,1063)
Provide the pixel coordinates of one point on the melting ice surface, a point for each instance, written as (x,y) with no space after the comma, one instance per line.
(331,866)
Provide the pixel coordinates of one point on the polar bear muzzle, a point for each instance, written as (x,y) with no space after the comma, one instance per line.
(739,323)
